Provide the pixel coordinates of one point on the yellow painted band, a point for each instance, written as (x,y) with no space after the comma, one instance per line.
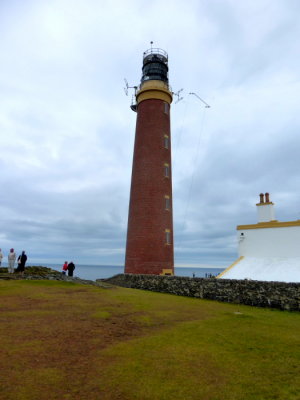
(154,89)
(271,224)
(231,266)
(265,204)
(167,272)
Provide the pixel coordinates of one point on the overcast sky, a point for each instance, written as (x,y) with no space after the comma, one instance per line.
(67,131)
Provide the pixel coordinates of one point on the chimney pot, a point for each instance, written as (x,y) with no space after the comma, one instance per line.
(261,198)
(267,197)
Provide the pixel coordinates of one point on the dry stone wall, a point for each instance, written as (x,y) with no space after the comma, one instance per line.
(281,295)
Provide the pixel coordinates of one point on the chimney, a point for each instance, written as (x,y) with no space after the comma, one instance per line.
(261,200)
(265,210)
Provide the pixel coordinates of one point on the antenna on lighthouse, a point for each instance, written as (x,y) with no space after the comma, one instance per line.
(126,87)
(177,94)
(129,87)
(204,102)
(133,103)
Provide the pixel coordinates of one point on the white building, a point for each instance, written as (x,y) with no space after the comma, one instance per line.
(268,250)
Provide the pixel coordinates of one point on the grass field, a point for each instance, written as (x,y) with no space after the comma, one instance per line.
(61,340)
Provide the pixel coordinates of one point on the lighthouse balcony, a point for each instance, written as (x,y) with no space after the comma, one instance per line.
(161,54)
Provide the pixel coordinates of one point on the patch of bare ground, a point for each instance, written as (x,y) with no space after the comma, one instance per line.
(52,336)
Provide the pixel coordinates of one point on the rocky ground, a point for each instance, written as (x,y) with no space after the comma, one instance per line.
(41,273)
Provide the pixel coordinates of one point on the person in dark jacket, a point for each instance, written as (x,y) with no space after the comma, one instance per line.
(21,263)
(71,268)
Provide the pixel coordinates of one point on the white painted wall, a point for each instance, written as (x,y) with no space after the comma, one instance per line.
(265,212)
(270,242)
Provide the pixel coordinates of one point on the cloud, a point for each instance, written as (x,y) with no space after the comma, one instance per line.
(67,132)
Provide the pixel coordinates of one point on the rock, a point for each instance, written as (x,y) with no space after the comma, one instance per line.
(45,273)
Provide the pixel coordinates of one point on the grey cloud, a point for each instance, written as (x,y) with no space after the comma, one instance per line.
(67,133)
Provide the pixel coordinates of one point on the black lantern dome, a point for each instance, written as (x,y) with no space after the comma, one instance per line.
(155,65)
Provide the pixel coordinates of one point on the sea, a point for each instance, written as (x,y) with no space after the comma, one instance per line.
(93,272)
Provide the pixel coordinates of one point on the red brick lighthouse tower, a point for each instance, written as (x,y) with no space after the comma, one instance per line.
(149,248)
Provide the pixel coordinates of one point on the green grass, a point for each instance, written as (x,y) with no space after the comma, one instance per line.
(102,314)
(137,345)
(246,354)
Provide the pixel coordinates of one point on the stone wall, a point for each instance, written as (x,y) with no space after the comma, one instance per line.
(281,295)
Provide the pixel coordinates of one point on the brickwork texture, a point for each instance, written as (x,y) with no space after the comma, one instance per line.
(146,249)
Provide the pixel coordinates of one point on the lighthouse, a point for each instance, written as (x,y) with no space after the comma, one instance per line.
(149,246)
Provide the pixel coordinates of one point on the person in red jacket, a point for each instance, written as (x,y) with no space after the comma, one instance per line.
(65,268)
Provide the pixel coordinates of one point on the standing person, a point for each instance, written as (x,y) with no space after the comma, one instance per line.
(1,256)
(71,267)
(11,261)
(65,268)
(21,263)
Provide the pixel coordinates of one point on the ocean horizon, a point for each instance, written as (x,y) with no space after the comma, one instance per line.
(93,272)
